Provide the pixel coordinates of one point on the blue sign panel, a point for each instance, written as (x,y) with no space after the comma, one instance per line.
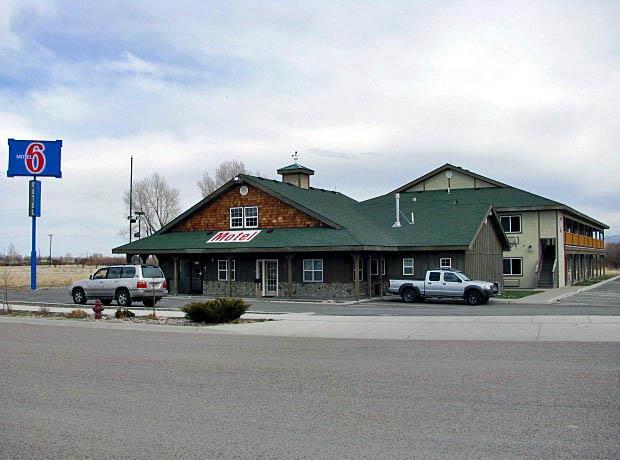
(34,199)
(34,158)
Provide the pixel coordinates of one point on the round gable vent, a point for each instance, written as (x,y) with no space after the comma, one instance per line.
(243,190)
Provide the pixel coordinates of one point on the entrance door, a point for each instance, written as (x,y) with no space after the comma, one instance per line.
(190,276)
(267,273)
(195,283)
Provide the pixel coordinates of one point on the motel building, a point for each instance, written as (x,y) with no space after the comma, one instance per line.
(283,238)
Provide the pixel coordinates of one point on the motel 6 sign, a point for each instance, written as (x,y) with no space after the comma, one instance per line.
(34,158)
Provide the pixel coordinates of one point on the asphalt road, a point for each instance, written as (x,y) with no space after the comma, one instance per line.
(603,300)
(70,392)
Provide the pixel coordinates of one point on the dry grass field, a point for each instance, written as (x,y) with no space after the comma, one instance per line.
(54,276)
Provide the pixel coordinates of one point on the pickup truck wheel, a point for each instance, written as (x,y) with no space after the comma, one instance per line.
(473,298)
(123,298)
(79,296)
(409,295)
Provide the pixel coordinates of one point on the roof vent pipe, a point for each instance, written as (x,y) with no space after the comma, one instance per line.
(397,223)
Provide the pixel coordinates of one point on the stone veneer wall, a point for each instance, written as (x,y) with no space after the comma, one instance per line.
(220,289)
(322,291)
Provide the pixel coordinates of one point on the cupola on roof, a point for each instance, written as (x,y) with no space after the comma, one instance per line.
(296,174)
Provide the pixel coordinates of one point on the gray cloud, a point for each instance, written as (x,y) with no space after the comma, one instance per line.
(527,93)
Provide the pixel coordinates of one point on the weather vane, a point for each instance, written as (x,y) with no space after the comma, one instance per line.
(295,156)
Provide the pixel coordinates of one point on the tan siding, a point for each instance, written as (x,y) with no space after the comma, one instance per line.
(484,260)
(459,180)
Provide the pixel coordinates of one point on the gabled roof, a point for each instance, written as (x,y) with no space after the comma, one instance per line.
(261,184)
(434,223)
(353,225)
(443,168)
(503,197)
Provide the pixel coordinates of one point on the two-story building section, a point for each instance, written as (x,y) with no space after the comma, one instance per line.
(551,244)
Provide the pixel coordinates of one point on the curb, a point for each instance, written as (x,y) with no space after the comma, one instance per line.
(579,291)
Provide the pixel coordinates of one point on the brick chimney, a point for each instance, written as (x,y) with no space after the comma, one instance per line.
(296,174)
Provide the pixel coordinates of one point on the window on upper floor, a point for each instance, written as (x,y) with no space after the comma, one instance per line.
(445,262)
(251,216)
(236,217)
(511,224)
(246,217)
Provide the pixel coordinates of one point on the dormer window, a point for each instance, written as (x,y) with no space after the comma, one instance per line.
(246,217)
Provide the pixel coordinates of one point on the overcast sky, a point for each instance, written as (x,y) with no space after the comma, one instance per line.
(372,95)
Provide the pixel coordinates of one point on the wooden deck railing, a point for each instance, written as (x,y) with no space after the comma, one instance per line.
(572,239)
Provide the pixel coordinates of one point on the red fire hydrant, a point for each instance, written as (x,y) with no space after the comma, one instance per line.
(98,308)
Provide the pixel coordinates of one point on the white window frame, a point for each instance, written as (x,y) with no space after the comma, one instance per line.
(230,215)
(510,217)
(222,273)
(444,266)
(313,271)
(245,217)
(374,267)
(511,272)
(406,266)
(361,268)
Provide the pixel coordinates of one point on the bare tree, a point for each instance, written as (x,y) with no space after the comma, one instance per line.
(612,255)
(225,171)
(6,277)
(157,200)
(12,255)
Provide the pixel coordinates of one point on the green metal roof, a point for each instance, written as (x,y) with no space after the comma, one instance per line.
(294,168)
(356,225)
(502,199)
(439,219)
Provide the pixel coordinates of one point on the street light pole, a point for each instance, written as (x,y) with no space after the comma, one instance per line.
(130,217)
(50,259)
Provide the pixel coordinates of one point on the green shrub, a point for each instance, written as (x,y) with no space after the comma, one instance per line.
(124,313)
(215,311)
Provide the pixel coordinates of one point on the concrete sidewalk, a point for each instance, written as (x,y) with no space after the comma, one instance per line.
(550,296)
(504,328)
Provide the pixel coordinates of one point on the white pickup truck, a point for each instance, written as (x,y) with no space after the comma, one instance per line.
(452,284)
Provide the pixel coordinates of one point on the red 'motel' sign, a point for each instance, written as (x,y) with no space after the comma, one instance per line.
(238,236)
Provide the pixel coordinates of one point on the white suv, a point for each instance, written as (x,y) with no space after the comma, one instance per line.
(123,283)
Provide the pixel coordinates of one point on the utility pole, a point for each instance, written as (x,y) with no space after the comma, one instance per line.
(50,259)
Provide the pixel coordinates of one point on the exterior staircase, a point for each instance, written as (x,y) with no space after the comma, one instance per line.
(545,280)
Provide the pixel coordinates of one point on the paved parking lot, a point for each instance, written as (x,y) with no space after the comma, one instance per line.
(606,295)
(602,300)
